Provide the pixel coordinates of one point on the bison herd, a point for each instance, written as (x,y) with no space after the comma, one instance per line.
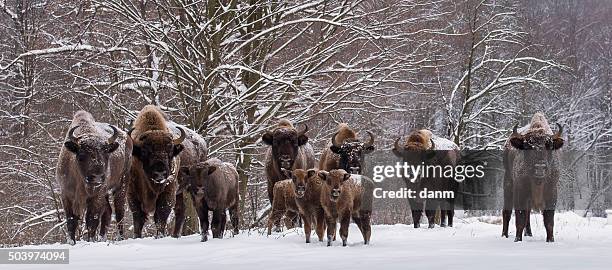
(155,163)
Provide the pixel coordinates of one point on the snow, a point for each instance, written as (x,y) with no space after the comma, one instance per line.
(474,243)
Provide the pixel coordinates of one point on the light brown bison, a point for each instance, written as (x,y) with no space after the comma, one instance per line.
(307,187)
(532,167)
(214,187)
(422,147)
(194,151)
(344,196)
(91,168)
(346,151)
(152,181)
(284,204)
(289,150)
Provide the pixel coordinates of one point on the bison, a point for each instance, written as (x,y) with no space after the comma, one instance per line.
(195,150)
(306,190)
(284,204)
(346,151)
(531,177)
(344,196)
(91,168)
(152,181)
(289,150)
(422,147)
(214,187)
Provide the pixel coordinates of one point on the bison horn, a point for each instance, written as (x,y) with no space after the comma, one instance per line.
(433,145)
(371,141)
(71,135)
(397,147)
(515,131)
(113,138)
(333,140)
(180,139)
(303,130)
(129,133)
(559,130)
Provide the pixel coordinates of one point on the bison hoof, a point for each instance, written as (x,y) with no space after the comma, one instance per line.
(443,225)
(278,229)
(550,240)
(204,238)
(366,242)
(307,241)
(505,235)
(344,242)
(236,232)
(431,226)
(417,225)
(518,239)
(528,234)
(71,242)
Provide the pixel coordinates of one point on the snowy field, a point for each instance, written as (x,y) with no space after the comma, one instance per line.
(474,243)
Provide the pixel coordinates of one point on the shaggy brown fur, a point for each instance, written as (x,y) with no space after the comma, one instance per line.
(195,151)
(344,196)
(345,151)
(284,204)
(153,183)
(214,187)
(418,148)
(91,170)
(531,175)
(289,150)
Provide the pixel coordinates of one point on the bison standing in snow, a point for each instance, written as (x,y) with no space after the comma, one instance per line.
(152,181)
(91,168)
(422,147)
(306,189)
(532,165)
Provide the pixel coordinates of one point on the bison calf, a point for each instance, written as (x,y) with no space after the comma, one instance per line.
(213,186)
(344,196)
(283,204)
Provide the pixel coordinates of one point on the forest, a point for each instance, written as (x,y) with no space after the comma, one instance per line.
(468,70)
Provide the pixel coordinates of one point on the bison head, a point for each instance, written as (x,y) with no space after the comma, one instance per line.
(415,150)
(539,147)
(92,153)
(156,150)
(196,176)
(300,177)
(285,142)
(333,181)
(352,152)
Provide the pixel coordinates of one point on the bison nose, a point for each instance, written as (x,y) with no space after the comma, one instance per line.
(159,176)
(335,192)
(94,179)
(355,170)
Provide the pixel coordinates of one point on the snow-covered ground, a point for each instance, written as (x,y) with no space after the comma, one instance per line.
(474,243)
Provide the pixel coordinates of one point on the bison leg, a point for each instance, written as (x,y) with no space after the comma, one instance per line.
(443,212)
(506,215)
(119,205)
(450,212)
(528,223)
(365,227)
(218,219)
(521,216)
(72,221)
(417,211)
(345,221)
(106,219)
(179,215)
(235,218)
(430,211)
(320,220)
(307,227)
(549,224)
(204,224)
(291,219)
(92,219)
(162,211)
(331,229)
(139,218)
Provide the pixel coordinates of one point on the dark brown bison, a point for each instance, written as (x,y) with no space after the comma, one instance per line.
(214,187)
(284,204)
(346,151)
(152,181)
(344,196)
(532,167)
(422,147)
(307,187)
(194,151)
(290,150)
(91,168)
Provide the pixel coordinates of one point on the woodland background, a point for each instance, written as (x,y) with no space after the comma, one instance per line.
(467,69)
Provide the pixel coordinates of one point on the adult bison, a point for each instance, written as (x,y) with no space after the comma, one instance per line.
(423,148)
(346,151)
(289,150)
(153,180)
(194,150)
(91,168)
(531,177)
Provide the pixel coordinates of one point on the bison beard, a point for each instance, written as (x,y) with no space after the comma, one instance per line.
(91,169)
(531,176)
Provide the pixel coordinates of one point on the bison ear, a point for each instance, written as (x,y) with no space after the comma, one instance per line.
(323,174)
(302,139)
(347,176)
(72,147)
(557,143)
(267,138)
(177,149)
(310,173)
(211,169)
(111,147)
(287,173)
(335,149)
(518,143)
